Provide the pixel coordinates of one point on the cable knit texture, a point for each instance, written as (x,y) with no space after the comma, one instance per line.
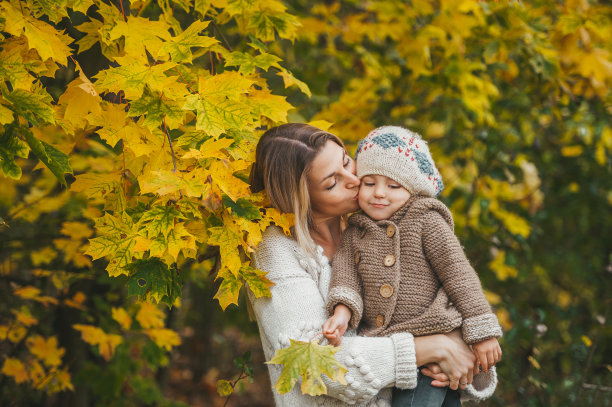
(296,310)
(414,280)
(414,277)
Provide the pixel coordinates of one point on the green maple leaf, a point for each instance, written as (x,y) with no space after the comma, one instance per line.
(266,21)
(242,208)
(117,241)
(151,278)
(216,118)
(180,46)
(54,9)
(247,63)
(155,107)
(132,78)
(35,107)
(257,281)
(308,360)
(11,146)
(159,220)
(54,159)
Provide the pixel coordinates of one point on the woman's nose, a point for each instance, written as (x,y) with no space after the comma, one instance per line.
(352,180)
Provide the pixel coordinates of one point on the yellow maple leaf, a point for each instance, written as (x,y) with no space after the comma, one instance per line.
(43,256)
(150,316)
(46,350)
(290,80)
(501,269)
(228,238)
(222,174)
(28,292)
(284,220)
(14,368)
(122,317)
(76,301)
(94,335)
(16,333)
(79,100)
(164,338)
(24,316)
(513,222)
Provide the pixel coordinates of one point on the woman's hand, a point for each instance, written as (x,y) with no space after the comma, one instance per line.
(337,324)
(451,354)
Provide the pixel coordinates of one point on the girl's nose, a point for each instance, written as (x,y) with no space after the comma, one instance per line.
(379,191)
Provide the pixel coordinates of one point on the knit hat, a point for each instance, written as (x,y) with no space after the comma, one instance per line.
(401,155)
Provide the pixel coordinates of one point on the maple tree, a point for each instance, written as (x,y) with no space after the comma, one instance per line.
(128,131)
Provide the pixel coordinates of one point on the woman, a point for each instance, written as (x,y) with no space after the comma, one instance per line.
(306,171)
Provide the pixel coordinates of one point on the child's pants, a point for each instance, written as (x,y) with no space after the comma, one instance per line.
(425,395)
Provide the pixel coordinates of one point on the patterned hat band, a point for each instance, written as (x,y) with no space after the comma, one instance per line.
(401,155)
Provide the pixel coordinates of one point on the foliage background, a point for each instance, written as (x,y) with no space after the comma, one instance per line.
(513,97)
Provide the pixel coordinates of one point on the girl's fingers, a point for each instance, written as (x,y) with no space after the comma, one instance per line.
(438,383)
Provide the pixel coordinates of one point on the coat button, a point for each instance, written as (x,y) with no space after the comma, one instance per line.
(380,320)
(389,260)
(390,230)
(386,290)
(362,234)
(357,257)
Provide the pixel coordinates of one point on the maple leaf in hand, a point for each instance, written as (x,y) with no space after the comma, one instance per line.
(309,360)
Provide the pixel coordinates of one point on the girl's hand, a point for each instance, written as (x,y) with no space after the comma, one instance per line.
(337,324)
(488,353)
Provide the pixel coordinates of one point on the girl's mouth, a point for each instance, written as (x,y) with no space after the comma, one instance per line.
(378,205)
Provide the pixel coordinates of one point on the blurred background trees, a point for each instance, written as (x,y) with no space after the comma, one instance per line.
(513,97)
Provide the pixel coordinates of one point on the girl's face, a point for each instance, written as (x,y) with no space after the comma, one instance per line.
(380,196)
(332,184)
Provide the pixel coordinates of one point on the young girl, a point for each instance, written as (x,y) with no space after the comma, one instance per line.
(400,268)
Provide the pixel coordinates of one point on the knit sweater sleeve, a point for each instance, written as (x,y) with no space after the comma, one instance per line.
(460,281)
(296,310)
(345,287)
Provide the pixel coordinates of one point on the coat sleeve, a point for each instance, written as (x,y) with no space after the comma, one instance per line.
(296,310)
(446,256)
(345,287)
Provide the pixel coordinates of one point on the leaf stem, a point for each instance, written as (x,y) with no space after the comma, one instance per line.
(227,44)
(170,142)
(234,386)
(184,80)
(122,10)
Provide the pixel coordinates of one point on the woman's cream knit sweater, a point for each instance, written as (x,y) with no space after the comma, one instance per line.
(296,310)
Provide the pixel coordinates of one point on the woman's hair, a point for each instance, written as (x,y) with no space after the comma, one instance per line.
(283,159)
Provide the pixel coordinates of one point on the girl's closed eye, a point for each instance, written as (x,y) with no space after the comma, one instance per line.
(395,186)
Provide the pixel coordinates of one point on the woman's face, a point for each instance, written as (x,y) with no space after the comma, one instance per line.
(332,183)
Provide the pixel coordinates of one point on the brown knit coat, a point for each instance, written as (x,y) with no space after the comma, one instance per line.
(409,273)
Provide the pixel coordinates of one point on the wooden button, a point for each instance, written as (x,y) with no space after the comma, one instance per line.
(357,257)
(362,234)
(390,230)
(386,290)
(389,260)
(380,320)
